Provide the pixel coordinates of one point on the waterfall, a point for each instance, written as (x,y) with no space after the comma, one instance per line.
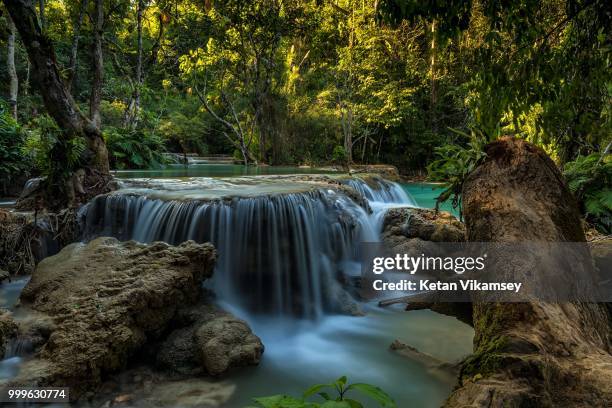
(279,253)
(384,191)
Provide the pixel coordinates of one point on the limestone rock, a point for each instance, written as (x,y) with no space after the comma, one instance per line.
(227,342)
(8,329)
(106,300)
(387,171)
(213,342)
(423,224)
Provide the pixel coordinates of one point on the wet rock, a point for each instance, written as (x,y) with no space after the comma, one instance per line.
(107,300)
(8,330)
(387,171)
(444,370)
(227,342)
(415,231)
(423,224)
(142,387)
(197,393)
(531,353)
(213,342)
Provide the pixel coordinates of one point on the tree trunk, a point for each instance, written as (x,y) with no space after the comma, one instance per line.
(133,108)
(57,98)
(526,354)
(10,64)
(41,10)
(347,128)
(141,7)
(73,63)
(98,65)
(432,74)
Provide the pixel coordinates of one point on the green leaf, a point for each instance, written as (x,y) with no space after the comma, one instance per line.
(375,393)
(315,389)
(353,403)
(325,396)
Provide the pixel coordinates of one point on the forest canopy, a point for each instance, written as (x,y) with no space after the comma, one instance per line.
(305,82)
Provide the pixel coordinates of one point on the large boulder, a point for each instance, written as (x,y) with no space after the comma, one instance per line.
(531,353)
(106,300)
(211,342)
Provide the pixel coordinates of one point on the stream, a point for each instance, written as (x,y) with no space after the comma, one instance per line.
(281,244)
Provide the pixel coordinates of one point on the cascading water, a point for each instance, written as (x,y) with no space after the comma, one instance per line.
(282,253)
(382,191)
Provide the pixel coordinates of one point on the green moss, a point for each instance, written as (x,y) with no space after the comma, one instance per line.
(487,359)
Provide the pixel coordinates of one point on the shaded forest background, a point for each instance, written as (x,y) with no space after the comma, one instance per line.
(418,84)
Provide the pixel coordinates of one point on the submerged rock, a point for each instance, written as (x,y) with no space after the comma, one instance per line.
(532,353)
(143,387)
(106,300)
(212,342)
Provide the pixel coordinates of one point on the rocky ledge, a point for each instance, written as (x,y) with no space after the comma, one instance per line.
(403,226)
(105,304)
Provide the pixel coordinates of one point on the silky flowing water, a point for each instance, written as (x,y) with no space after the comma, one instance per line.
(283,243)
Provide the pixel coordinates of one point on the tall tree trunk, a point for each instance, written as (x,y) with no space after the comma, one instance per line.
(10,65)
(98,65)
(141,7)
(57,98)
(133,109)
(432,74)
(41,10)
(73,63)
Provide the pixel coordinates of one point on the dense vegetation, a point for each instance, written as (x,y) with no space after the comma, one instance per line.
(418,84)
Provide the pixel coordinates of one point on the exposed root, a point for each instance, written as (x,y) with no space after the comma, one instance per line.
(28,237)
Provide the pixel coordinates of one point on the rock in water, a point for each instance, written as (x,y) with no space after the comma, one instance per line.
(8,329)
(226,342)
(530,354)
(107,300)
(213,341)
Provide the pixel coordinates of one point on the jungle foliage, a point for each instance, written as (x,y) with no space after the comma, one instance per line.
(333,81)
